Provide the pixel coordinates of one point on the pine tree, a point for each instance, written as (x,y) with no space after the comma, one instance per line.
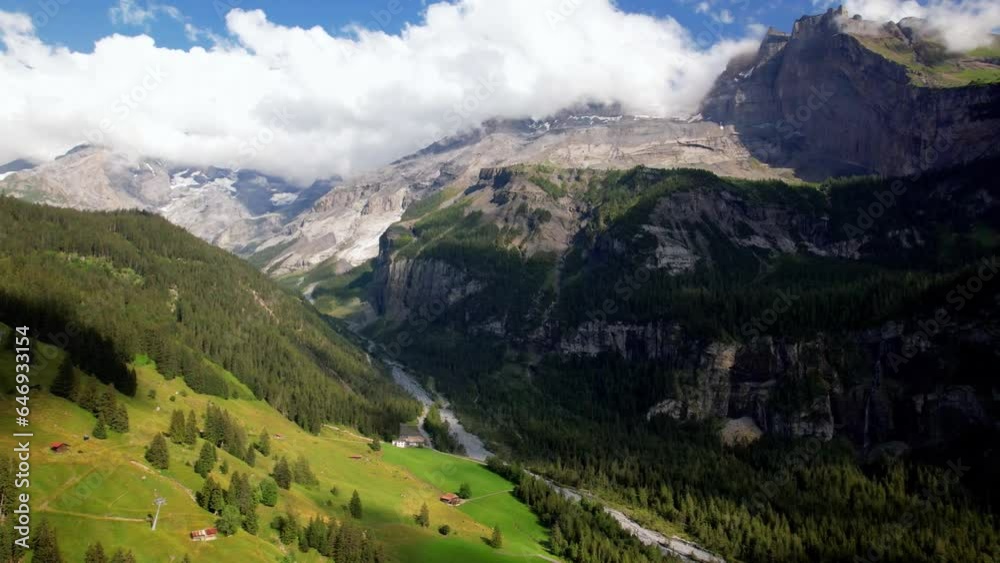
(122,556)
(264,443)
(465,491)
(88,396)
(241,494)
(120,422)
(95,554)
(424,518)
(9,551)
(289,530)
(178,427)
(268,492)
(206,460)
(496,542)
(330,544)
(283,474)
(224,468)
(349,544)
(100,429)
(158,455)
(107,403)
(67,381)
(204,496)
(217,501)
(357,511)
(45,546)
(251,456)
(191,429)
(558,541)
(302,473)
(315,535)
(229,521)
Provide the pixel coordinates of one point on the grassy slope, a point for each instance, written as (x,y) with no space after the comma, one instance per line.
(952,70)
(492,499)
(101,490)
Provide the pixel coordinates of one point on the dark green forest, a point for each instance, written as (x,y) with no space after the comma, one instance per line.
(109,287)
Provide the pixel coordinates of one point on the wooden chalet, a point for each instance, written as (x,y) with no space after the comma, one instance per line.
(208,534)
(409,437)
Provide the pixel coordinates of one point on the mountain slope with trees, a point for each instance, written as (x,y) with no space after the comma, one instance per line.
(110,287)
(605,328)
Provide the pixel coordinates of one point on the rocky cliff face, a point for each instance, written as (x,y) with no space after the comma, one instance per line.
(817,385)
(346,224)
(824,101)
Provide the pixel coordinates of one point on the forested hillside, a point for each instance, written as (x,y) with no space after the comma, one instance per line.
(112,286)
(603,328)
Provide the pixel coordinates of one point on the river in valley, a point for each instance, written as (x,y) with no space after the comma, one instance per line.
(476,450)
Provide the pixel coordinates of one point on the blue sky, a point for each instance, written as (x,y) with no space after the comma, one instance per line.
(77,24)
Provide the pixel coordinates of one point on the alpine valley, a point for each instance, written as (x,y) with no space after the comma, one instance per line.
(762,332)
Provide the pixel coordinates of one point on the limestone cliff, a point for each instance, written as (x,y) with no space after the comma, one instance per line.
(838,95)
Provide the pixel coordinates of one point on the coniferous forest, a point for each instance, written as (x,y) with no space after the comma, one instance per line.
(109,287)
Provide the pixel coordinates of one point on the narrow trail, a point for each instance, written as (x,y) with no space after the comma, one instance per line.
(96,517)
(489,495)
(177,484)
(360,439)
(65,486)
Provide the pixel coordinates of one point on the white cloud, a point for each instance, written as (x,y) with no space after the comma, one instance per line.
(724,16)
(303,103)
(964,24)
(129,12)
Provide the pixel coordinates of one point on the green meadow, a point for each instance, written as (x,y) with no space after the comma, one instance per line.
(103,490)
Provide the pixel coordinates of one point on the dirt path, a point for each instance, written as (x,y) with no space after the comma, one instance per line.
(489,495)
(175,483)
(96,517)
(65,486)
(360,438)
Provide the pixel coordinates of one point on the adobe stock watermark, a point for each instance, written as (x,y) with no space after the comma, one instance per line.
(791,126)
(817,99)
(712,28)
(562,12)
(888,199)
(624,289)
(123,107)
(758,326)
(957,298)
(47,11)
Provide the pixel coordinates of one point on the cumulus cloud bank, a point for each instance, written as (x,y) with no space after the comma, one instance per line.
(964,25)
(304,104)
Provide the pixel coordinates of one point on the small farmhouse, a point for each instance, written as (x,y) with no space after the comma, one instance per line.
(451,499)
(208,534)
(59,447)
(409,437)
